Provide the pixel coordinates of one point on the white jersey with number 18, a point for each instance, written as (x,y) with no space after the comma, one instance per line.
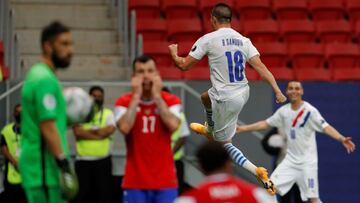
(227,51)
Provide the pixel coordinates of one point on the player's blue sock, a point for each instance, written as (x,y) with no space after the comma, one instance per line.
(238,157)
(209,120)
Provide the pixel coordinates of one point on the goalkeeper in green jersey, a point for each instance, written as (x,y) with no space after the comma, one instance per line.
(44,158)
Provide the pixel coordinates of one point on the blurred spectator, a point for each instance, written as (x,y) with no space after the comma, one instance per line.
(274,143)
(147,117)
(10,147)
(219,185)
(178,140)
(93,160)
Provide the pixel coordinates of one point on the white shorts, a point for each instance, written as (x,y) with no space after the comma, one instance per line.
(225,113)
(305,176)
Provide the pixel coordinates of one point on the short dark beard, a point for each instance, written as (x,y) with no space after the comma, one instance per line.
(62,63)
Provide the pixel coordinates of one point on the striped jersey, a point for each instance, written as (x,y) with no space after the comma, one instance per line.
(300,126)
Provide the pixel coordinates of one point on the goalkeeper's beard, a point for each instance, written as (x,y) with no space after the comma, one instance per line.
(61,63)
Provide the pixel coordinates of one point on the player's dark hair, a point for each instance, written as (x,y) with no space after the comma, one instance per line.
(212,156)
(287,85)
(51,31)
(222,12)
(96,88)
(141,59)
(17,106)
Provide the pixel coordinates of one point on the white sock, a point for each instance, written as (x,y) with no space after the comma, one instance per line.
(238,157)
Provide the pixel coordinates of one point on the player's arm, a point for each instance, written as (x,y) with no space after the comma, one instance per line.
(171,121)
(6,153)
(260,125)
(51,137)
(81,133)
(179,143)
(183,63)
(126,122)
(346,141)
(109,129)
(266,75)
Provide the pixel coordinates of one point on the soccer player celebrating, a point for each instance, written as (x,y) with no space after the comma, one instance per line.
(299,120)
(44,165)
(147,117)
(219,185)
(228,51)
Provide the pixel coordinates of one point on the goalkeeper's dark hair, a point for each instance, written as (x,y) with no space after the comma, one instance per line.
(96,88)
(141,59)
(51,31)
(17,106)
(212,156)
(222,12)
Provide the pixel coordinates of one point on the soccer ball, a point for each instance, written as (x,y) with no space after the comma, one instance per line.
(79,105)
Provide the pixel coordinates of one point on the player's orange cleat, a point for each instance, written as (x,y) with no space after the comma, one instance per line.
(262,176)
(201,130)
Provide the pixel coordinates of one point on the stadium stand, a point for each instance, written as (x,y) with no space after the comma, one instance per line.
(180,9)
(343,74)
(291,9)
(251,74)
(145,8)
(304,55)
(254,9)
(342,55)
(327,10)
(152,29)
(297,31)
(353,10)
(273,54)
(261,30)
(198,73)
(313,74)
(334,31)
(1,53)
(183,30)
(170,72)
(184,49)
(205,6)
(283,73)
(159,51)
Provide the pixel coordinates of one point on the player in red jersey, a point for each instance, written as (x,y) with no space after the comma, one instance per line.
(147,117)
(219,186)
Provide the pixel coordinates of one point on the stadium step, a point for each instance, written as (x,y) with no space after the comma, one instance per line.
(75,16)
(97,50)
(85,41)
(89,67)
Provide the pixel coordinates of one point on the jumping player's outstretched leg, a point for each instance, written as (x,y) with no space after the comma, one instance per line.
(237,156)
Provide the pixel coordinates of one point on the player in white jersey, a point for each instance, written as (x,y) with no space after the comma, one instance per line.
(300,120)
(227,51)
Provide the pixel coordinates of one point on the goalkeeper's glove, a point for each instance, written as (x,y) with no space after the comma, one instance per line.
(68,181)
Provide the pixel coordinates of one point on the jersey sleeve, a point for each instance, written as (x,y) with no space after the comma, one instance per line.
(252,51)
(121,106)
(199,50)
(275,120)
(184,130)
(317,122)
(174,104)
(110,120)
(45,99)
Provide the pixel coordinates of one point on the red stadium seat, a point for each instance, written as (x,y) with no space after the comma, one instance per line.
(261,30)
(297,31)
(182,30)
(159,51)
(180,9)
(353,9)
(357,30)
(170,73)
(251,74)
(207,5)
(253,9)
(306,55)
(5,72)
(334,31)
(272,54)
(327,9)
(283,73)
(314,74)
(198,73)
(145,8)
(342,74)
(184,49)
(1,53)
(291,9)
(152,29)
(342,55)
